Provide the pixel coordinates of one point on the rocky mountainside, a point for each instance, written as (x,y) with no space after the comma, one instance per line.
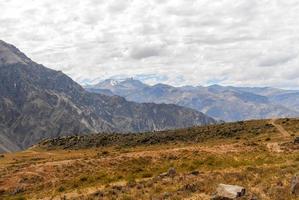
(225,103)
(37,103)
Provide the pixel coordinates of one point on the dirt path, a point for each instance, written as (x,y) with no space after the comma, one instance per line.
(280,128)
(275,146)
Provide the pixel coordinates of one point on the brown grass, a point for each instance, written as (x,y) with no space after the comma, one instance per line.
(132,171)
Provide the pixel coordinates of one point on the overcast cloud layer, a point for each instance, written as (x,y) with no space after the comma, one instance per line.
(231,42)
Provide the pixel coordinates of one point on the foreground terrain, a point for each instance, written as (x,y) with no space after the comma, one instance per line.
(258,155)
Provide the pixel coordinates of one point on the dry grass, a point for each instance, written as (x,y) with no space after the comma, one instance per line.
(132,171)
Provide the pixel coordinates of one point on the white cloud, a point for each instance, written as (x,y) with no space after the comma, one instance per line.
(237,42)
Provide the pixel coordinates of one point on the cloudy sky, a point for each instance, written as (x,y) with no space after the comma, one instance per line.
(230,42)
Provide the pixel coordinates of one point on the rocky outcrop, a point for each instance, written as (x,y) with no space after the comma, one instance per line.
(37,103)
(228,192)
(295,185)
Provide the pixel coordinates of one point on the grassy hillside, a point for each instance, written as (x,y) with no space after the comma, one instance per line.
(190,135)
(254,154)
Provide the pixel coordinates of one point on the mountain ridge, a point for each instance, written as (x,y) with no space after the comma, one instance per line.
(38,102)
(221,102)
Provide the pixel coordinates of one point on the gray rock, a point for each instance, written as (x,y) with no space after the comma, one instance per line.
(296,140)
(295,185)
(170,173)
(228,192)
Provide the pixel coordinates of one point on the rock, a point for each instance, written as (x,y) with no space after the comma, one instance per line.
(228,192)
(17,190)
(163,175)
(295,185)
(170,173)
(195,173)
(296,140)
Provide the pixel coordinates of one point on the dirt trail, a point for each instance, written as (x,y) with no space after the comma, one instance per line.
(275,146)
(280,128)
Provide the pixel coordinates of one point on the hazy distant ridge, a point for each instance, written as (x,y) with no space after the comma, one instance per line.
(226,103)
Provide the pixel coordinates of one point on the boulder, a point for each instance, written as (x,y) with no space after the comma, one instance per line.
(296,140)
(170,173)
(228,192)
(295,185)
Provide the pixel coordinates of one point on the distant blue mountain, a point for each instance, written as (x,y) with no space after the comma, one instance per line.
(221,102)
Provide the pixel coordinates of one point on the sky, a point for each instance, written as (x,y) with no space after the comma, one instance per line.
(177,42)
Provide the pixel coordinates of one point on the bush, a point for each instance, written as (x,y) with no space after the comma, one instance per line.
(20,198)
(147,175)
(83,179)
(61,189)
(131,181)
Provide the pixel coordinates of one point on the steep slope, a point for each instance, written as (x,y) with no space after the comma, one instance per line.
(37,103)
(226,103)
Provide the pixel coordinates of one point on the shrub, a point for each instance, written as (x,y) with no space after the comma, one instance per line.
(146,175)
(83,179)
(61,189)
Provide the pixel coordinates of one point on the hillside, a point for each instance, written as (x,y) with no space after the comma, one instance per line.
(220,102)
(37,103)
(259,155)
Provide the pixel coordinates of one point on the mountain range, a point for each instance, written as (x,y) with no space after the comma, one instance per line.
(220,102)
(37,103)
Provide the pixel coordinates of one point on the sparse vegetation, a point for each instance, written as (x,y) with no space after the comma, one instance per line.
(191,135)
(136,166)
